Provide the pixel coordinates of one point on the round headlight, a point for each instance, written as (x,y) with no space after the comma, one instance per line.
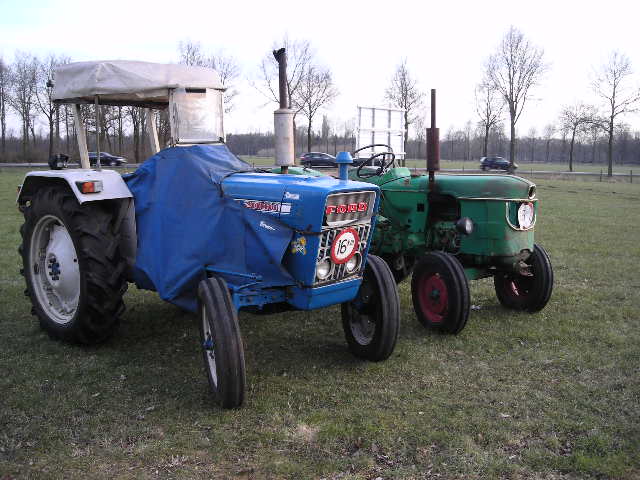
(323,269)
(465,226)
(525,215)
(353,263)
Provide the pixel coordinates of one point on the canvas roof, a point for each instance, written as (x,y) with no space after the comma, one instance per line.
(125,82)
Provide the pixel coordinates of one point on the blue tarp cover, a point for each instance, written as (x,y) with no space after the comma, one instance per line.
(184,223)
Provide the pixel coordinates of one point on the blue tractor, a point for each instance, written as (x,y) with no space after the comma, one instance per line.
(198,225)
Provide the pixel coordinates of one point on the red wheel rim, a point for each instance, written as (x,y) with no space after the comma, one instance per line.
(433,297)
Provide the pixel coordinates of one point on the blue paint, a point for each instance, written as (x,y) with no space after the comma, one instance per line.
(343,159)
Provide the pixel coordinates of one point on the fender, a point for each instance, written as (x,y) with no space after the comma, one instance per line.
(113,186)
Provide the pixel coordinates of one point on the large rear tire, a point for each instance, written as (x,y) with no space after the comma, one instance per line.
(371,321)
(440,292)
(222,348)
(73,268)
(529,293)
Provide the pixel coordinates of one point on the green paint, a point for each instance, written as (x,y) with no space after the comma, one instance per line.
(416,220)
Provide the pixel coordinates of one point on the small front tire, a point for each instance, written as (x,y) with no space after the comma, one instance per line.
(440,292)
(371,321)
(221,342)
(529,293)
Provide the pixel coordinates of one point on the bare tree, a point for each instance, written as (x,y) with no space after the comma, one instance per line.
(403,93)
(467,140)
(549,132)
(611,85)
(137,116)
(43,94)
(489,107)
(514,70)
(191,53)
(533,137)
(316,91)
(575,119)
(23,90)
(4,96)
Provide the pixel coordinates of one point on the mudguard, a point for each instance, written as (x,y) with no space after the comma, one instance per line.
(113,186)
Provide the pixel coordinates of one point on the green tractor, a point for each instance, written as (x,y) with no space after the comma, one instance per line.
(448,229)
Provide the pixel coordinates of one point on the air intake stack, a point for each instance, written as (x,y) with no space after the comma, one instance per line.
(433,142)
(283,117)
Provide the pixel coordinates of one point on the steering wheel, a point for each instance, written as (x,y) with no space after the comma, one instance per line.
(385,164)
(381,169)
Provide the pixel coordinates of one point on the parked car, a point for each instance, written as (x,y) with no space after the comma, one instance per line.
(497,163)
(106,159)
(317,159)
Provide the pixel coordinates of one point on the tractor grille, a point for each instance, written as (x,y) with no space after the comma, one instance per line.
(343,208)
(339,272)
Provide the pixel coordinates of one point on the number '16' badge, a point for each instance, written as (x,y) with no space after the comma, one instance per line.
(345,246)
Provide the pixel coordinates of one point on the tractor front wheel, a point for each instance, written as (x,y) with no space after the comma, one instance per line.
(74,271)
(371,321)
(527,292)
(221,342)
(440,292)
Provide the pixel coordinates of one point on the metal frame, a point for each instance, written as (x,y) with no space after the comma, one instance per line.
(373,129)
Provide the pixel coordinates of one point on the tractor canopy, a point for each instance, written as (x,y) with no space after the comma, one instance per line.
(125,82)
(193,94)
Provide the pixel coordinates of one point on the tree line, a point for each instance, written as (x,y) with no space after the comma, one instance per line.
(581,132)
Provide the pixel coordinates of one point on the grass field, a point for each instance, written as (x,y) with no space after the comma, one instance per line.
(555,395)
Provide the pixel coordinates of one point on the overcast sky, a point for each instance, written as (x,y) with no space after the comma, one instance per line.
(445,44)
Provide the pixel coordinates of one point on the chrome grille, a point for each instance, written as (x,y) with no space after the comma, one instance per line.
(338,200)
(339,272)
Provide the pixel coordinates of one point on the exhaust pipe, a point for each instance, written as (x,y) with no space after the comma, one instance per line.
(283,117)
(433,142)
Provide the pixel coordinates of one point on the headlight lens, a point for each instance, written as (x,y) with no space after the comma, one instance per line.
(525,215)
(323,269)
(465,226)
(353,263)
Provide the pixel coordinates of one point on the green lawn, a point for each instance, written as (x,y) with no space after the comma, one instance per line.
(555,395)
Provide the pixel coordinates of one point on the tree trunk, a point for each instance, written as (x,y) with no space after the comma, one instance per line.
(406,135)
(119,130)
(309,137)
(25,139)
(512,142)
(66,128)
(486,140)
(51,136)
(57,141)
(547,152)
(573,137)
(610,149)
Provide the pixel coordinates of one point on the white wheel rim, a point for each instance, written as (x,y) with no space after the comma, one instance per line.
(208,345)
(55,271)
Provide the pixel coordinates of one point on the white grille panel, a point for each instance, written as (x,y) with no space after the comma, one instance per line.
(348,200)
(339,272)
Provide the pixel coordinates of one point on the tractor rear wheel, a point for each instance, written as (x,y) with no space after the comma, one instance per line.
(527,292)
(371,321)
(440,292)
(74,271)
(221,342)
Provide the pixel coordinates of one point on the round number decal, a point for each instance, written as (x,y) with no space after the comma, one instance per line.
(345,245)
